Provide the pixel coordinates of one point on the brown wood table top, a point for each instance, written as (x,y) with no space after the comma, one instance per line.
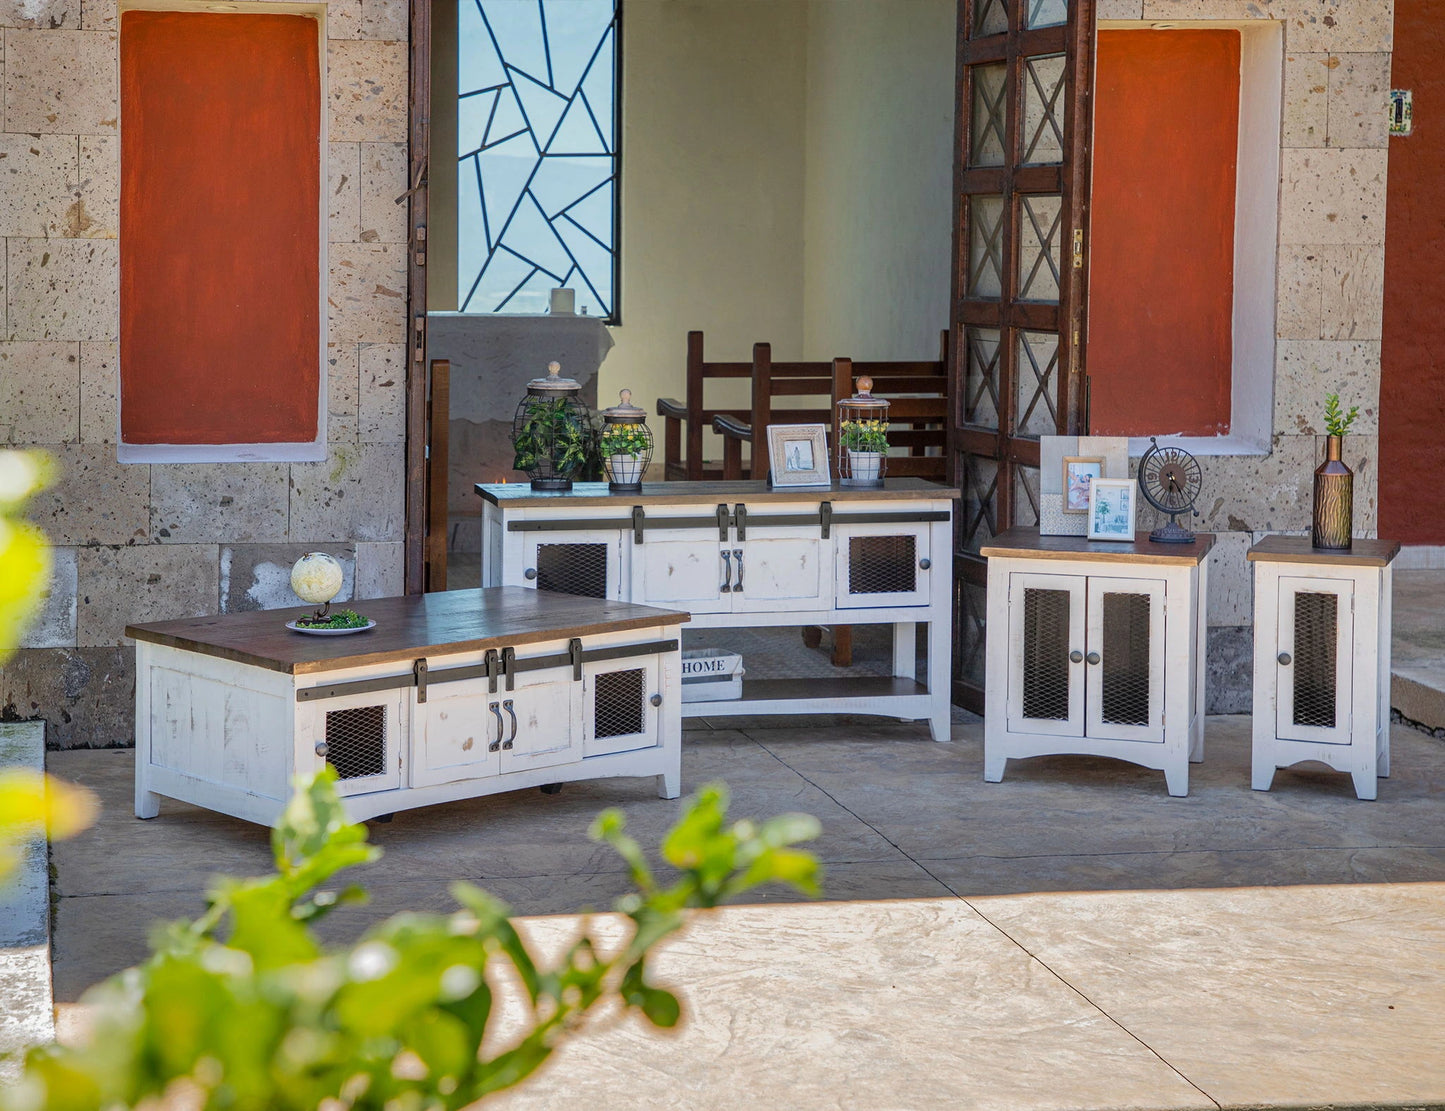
(517,494)
(406,628)
(1300,549)
(1027,542)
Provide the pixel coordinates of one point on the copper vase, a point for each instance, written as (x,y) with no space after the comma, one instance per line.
(1334,499)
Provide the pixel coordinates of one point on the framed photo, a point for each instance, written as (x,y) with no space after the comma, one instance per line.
(798,455)
(1079,473)
(1111,508)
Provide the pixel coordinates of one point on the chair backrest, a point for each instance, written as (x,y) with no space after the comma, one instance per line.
(917,393)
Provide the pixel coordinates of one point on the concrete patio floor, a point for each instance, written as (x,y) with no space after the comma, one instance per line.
(1069,938)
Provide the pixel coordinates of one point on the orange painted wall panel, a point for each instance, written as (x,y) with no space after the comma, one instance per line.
(220,228)
(1161,270)
(1412,354)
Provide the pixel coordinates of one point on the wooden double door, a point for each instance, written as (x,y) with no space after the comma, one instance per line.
(1020,214)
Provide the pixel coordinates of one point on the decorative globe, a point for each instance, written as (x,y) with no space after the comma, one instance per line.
(316,578)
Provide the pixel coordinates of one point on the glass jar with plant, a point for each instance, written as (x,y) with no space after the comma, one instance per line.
(1334,493)
(626,446)
(551,431)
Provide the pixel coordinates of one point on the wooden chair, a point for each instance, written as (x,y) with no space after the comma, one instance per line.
(695,415)
(918,402)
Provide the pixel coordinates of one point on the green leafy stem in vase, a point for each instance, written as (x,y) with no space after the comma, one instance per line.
(624,439)
(1338,423)
(865,435)
(551,432)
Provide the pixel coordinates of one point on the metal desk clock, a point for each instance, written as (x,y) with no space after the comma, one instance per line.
(1170,480)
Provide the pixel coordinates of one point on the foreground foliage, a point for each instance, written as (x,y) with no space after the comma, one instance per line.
(243,1008)
(24,555)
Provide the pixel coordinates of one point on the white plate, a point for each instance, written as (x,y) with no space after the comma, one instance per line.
(329,632)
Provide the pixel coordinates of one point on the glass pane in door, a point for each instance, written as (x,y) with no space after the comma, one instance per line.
(985,247)
(990,17)
(1041,139)
(1315,637)
(1036,410)
(1125,659)
(1040,217)
(981,377)
(1045,673)
(1046,13)
(990,88)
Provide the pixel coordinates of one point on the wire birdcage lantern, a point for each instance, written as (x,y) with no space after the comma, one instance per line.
(626,446)
(862,437)
(551,431)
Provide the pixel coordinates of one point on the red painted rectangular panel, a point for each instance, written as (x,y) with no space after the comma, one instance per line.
(1412,355)
(220,228)
(1161,270)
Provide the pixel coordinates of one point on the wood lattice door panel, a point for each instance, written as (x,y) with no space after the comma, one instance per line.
(1020,174)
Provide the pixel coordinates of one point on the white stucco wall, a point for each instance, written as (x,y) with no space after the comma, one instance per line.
(879,139)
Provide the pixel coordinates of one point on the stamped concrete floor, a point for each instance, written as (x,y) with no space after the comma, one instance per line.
(1028,944)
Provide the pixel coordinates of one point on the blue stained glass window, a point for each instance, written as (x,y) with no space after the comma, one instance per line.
(536,154)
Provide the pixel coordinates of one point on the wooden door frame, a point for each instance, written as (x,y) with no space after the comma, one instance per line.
(414,547)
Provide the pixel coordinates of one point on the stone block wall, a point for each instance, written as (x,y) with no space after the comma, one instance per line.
(1330,293)
(144,542)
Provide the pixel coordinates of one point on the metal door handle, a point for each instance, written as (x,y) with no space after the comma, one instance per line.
(1285,659)
(497,743)
(727,586)
(507,705)
(1092,657)
(738,555)
(1076,657)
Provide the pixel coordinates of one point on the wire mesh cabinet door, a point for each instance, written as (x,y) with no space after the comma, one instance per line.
(1314,659)
(1046,654)
(588,564)
(882,565)
(1125,659)
(359,735)
(619,714)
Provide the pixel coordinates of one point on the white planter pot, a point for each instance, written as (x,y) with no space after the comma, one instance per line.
(626,470)
(865,466)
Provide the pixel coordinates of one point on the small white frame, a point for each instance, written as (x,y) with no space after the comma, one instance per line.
(798,455)
(1112,502)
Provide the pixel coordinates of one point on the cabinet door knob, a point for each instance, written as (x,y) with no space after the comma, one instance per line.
(1092,657)
(322,749)
(656,700)
(1076,657)
(925,563)
(530,573)
(1285,659)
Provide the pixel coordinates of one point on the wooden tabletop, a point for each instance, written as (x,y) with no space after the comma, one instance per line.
(406,628)
(519,494)
(1299,549)
(1027,542)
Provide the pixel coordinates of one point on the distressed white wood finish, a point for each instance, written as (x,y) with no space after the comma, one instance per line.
(791,576)
(231,736)
(1359,742)
(1177,589)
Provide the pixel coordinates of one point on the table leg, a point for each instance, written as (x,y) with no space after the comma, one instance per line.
(905,649)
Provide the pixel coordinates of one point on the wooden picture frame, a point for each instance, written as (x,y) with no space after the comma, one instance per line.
(1076,495)
(1112,504)
(798,455)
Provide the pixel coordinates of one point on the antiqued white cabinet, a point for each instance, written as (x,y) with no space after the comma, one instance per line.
(1103,652)
(738,554)
(1322,658)
(451,696)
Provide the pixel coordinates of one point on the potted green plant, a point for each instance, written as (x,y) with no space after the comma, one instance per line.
(551,431)
(866,442)
(1334,492)
(624,448)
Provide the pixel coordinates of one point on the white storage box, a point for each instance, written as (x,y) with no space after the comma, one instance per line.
(711,675)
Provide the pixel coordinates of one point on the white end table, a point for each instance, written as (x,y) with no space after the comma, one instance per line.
(1322,658)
